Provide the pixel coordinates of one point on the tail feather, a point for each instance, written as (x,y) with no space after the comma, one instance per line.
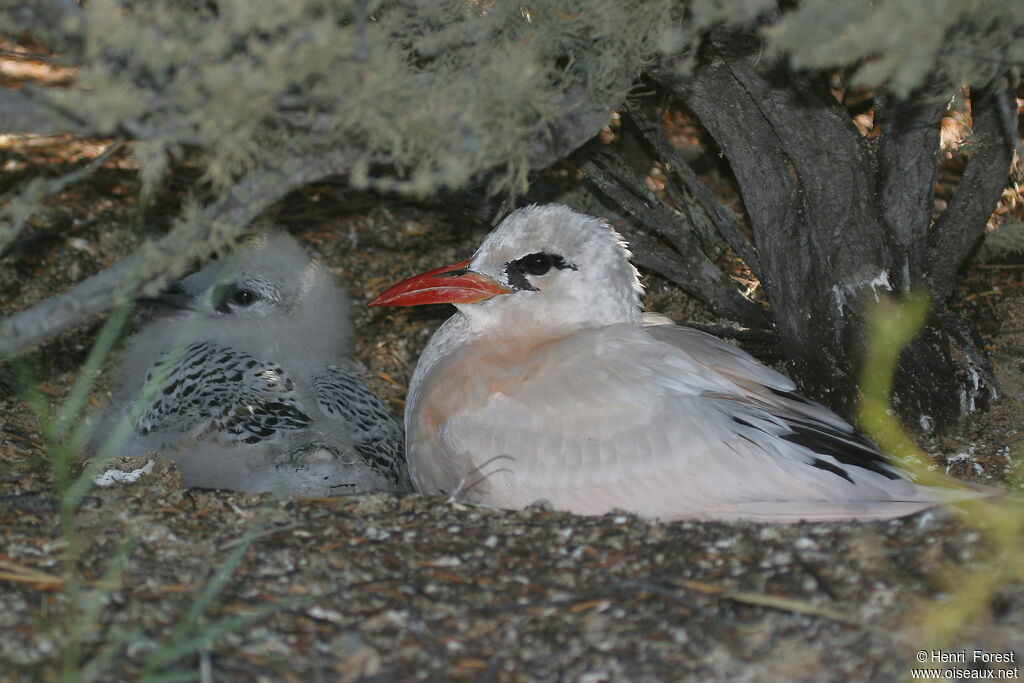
(848,510)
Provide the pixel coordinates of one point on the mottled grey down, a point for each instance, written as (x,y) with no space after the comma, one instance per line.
(246,382)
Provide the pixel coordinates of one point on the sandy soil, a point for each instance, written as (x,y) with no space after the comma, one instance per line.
(153,578)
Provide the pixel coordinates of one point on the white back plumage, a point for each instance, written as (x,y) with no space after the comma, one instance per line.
(562,391)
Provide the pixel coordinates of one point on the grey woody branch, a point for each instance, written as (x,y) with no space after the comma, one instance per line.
(962,224)
(722,217)
(907,170)
(22,113)
(687,265)
(151,266)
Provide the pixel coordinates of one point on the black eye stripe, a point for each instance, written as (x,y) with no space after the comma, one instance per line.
(541,262)
(536,264)
(560,263)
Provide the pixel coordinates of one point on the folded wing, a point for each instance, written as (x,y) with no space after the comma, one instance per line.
(660,420)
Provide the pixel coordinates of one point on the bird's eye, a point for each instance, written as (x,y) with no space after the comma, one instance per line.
(243,297)
(536,264)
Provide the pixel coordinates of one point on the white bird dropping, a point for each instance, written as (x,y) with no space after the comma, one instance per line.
(247,383)
(549,383)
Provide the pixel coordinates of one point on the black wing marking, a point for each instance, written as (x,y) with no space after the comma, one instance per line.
(343,395)
(834,469)
(845,447)
(227,390)
(848,448)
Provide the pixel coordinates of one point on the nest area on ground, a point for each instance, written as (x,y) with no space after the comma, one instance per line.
(383,587)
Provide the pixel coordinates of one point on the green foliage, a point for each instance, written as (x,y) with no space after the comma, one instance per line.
(1007,240)
(439,90)
(432,94)
(65,432)
(970,590)
(901,43)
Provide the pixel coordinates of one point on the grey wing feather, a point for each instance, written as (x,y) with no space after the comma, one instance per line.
(216,388)
(342,395)
(767,402)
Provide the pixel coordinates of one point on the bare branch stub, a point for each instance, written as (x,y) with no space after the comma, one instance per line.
(722,217)
(687,265)
(907,169)
(962,224)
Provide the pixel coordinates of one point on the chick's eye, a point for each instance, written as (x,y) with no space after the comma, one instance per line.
(536,264)
(243,297)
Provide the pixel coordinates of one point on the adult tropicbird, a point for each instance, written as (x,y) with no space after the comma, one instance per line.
(549,384)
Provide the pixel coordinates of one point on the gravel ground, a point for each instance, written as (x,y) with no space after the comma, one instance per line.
(150,578)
